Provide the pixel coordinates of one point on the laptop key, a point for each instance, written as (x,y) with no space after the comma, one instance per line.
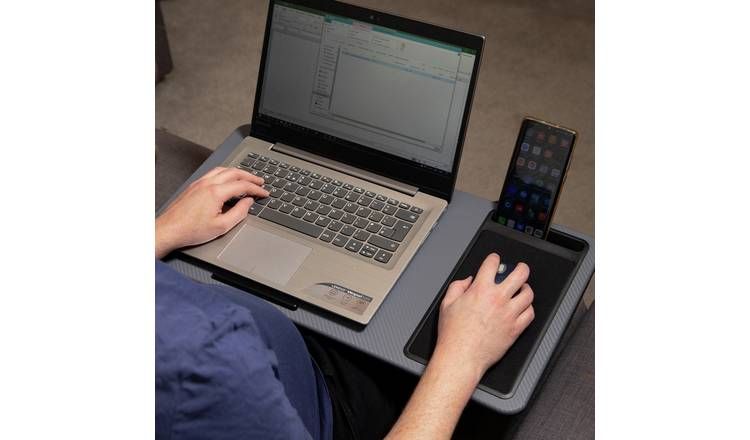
(275,192)
(410,217)
(315,175)
(348,230)
(393,202)
(368,251)
(281,173)
(279,183)
(323,221)
(316,184)
(335,226)
(255,209)
(377,205)
(311,205)
(364,201)
(336,182)
(370,194)
(381,198)
(252,155)
(376,216)
(284,165)
(259,165)
(273,162)
(327,199)
(404,205)
(336,214)
(389,209)
(262,201)
(383,257)
(348,218)
(400,229)
(352,197)
(361,235)
(373,227)
(291,187)
(247,162)
(358,190)
(286,208)
(274,204)
(348,186)
(338,203)
(298,212)
(327,236)
(304,180)
(326,179)
(361,223)
(304,172)
(340,240)
(354,245)
(299,201)
(264,159)
(322,210)
(314,195)
(270,169)
(293,177)
(291,222)
(287,197)
(310,217)
(294,169)
(350,207)
(364,212)
(340,192)
(416,210)
(302,191)
(327,188)
(383,243)
(389,221)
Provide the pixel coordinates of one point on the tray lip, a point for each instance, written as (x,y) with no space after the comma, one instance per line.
(533,352)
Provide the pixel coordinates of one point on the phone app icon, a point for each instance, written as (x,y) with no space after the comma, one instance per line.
(519,208)
(532,165)
(564,143)
(543,169)
(551,186)
(538,233)
(546,202)
(520,226)
(547,154)
(520,161)
(508,204)
(536,150)
(501,220)
(555,172)
(542,216)
(540,136)
(525,146)
(552,140)
(539,182)
(535,198)
(511,222)
(512,189)
(529,229)
(523,194)
(530,214)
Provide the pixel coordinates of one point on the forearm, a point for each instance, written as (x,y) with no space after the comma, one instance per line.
(164,244)
(438,401)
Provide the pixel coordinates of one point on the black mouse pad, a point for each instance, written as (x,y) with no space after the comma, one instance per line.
(551,272)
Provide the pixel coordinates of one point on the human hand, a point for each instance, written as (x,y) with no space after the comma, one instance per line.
(195,217)
(480,320)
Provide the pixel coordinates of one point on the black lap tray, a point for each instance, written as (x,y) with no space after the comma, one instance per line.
(553,264)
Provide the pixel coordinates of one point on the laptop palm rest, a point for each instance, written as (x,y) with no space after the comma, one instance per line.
(264,255)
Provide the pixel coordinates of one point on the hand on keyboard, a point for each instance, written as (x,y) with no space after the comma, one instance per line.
(196,216)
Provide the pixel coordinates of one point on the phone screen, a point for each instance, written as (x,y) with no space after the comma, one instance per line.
(534,177)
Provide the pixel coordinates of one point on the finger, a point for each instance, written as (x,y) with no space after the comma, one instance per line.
(523,300)
(524,319)
(456,289)
(515,279)
(488,269)
(239,187)
(230,174)
(236,214)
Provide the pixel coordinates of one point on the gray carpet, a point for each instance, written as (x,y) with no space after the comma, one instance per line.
(539,60)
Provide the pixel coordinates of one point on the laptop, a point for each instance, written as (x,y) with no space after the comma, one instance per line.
(357,129)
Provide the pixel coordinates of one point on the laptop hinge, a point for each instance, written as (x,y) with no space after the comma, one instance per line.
(347,169)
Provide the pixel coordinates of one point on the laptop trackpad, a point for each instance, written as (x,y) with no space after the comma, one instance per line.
(265,255)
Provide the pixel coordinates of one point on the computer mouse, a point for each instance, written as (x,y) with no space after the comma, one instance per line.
(503,269)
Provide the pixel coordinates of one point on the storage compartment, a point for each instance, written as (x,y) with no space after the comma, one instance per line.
(553,264)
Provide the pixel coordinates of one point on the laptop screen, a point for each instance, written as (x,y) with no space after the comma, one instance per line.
(382,88)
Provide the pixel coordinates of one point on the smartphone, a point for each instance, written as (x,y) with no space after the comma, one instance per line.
(535,176)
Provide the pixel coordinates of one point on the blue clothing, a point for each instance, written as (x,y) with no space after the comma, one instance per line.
(224,371)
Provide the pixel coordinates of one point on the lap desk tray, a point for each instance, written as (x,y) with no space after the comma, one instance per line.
(405,322)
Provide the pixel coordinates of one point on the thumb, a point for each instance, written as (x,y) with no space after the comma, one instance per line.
(455,290)
(237,213)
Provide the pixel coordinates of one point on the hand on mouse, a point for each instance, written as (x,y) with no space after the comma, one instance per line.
(480,320)
(196,216)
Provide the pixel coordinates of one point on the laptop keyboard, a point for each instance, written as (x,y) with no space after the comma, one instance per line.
(333,211)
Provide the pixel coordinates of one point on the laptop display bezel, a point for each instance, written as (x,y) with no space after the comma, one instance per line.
(429,180)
